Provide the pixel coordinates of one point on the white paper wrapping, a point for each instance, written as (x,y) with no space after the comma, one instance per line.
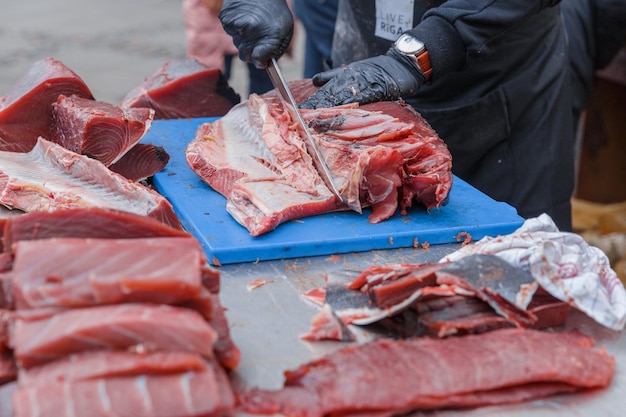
(563,264)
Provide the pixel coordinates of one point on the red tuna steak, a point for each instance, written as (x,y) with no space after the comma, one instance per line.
(97,129)
(184,88)
(26,110)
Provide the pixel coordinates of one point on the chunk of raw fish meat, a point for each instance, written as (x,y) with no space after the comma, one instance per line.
(184,88)
(98,129)
(189,394)
(26,110)
(92,222)
(47,272)
(108,363)
(50,177)
(395,377)
(37,339)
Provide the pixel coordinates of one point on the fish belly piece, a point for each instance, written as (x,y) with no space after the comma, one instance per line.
(50,177)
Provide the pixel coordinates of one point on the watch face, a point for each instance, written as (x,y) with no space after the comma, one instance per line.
(409,45)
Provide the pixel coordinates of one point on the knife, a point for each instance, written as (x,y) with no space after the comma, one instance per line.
(282,87)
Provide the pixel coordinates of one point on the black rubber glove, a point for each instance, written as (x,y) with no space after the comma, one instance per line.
(380,78)
(261,29)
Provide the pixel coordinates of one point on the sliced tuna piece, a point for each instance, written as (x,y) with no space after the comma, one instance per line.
(38,339)
(141,162)
(189,394)
(395,377)
(50,177)
(184,88)
(97,129)
(85,222)
(26,110)
(47,272)
(110,363)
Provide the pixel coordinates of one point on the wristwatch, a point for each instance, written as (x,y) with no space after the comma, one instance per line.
(416,50)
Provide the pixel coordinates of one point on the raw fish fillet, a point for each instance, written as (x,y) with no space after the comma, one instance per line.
(97,129)
(395,377)
(256,158)
(47,272)
(184,88)
(141,162)
(51,335)
(85,222)
(50,177)
(26,110)
(189,394)
(109,363)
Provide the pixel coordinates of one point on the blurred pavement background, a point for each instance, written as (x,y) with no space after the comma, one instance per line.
(112,45)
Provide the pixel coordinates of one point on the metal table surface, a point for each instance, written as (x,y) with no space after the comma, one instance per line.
(266,323)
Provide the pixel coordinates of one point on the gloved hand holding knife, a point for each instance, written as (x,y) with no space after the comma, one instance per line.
(260,29)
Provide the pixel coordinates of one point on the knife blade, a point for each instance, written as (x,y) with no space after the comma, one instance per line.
(281,85)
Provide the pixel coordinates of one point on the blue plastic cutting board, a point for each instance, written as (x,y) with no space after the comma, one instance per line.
(202,212)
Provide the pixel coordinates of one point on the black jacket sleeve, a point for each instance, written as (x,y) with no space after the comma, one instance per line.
(458,28)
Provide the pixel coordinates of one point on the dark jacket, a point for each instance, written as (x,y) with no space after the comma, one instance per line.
(498,95)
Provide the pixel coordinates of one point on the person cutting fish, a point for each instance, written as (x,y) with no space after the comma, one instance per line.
(490,76)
